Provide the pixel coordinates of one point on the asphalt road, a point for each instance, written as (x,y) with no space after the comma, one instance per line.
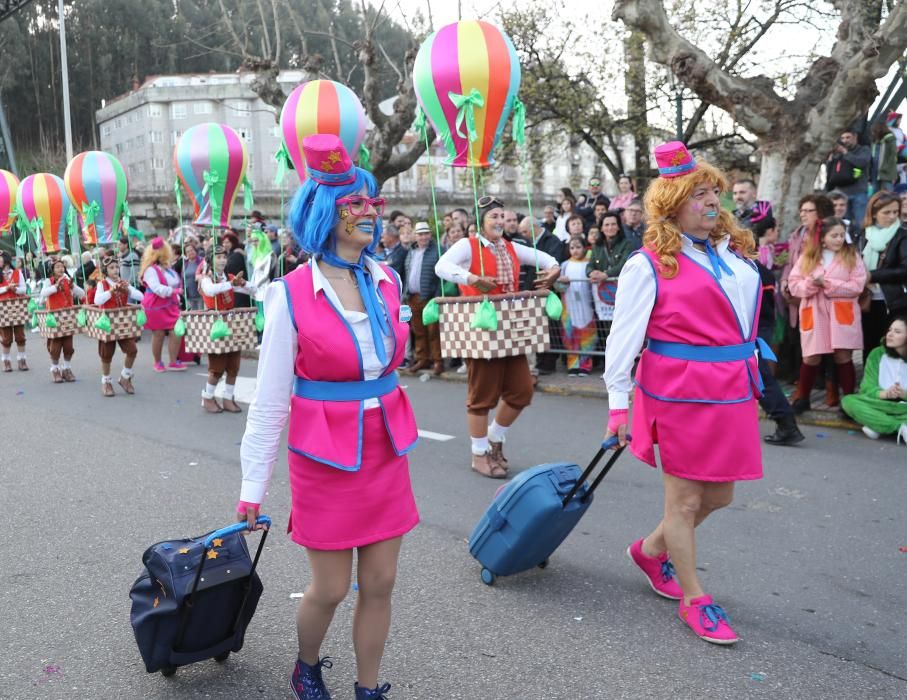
(806,561)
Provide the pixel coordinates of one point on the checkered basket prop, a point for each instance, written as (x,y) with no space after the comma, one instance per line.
(122,322)
(522,326)
(67,323)
(13,312)
(198,331)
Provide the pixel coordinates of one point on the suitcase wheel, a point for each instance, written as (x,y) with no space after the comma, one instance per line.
(220,658)
(543,565)
(487,577)
(168,671)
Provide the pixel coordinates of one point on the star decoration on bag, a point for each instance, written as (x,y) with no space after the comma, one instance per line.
(212,554)
(184,550)
(218,542)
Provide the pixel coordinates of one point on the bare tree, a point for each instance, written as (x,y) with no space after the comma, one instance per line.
(794,134)
(258,32)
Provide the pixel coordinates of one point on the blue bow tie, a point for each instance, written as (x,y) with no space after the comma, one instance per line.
(714,259)
(376,316)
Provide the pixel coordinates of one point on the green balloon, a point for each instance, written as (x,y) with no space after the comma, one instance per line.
(485,318)
(553,306)
(179,330)
(103,323)
(431,313)
(220,330)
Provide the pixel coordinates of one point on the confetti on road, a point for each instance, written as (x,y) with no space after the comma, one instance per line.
(296,595)
(193,464)
(902,550)
(355,586)
(757,676)
(164,475)
(20,393)
(578,619)
(821,435)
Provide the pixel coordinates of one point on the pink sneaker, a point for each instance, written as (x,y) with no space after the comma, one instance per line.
(658,570)
(708,620)
(159,367)
(176,367)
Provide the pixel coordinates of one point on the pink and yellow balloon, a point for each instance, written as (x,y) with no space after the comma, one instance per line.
(466,78)
(44,206)
(321,107)
(96,184)
(211,161)
(9,185)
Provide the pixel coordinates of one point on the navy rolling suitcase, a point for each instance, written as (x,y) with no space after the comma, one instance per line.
(533,514)
(195,598)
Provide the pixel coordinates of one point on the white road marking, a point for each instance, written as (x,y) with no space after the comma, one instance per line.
(440,437)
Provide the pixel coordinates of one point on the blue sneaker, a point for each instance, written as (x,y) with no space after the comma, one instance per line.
(306,681)
(376,693)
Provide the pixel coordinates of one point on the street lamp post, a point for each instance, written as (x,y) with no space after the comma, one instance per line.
(64,61)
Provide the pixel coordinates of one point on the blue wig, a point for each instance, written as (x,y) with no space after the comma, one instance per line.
(313,212)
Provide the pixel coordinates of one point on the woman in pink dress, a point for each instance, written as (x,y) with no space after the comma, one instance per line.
(693,294)
(335,334)
(162,303)
(828,279)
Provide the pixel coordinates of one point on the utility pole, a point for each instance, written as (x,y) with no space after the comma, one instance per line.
(64,62)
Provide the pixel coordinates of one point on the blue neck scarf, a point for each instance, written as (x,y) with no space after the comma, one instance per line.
(377,317)
(718,265)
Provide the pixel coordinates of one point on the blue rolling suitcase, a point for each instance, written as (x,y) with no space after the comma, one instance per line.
(533,514)
(195,598)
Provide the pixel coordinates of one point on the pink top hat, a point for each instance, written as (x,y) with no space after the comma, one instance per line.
(674,159)
(327,161)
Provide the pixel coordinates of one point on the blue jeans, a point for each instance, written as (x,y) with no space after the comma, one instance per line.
(856,207)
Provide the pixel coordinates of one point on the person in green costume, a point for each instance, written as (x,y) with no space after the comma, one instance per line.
(881,404)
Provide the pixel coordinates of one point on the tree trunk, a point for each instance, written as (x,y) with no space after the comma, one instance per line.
(635,81)
(783,179)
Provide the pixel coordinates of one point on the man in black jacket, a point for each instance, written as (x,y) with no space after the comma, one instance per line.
(421,285)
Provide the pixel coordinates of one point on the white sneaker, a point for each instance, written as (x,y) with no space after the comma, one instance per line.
(902,434)
(870,433)
(461,369)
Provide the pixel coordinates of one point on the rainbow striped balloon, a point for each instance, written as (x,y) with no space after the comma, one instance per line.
(211,160)
(321,107)
(9,184)
(42,197)
(96,184)
(473,63)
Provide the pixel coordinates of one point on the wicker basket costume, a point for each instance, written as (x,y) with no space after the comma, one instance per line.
(522,326)
(13,312)
(198,331)
(67,322)
(122,322)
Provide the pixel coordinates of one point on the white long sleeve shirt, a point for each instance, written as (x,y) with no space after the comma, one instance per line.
(211,288)
(102,296)
(48,289)
(276,373)
(454,264)
(152,282)
(5,285)
(635,299)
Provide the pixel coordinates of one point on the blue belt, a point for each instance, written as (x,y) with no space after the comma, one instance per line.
(712,353)
(345,391)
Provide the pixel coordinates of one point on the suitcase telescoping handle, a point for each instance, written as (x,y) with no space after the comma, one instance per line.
(606,445)
(234,528)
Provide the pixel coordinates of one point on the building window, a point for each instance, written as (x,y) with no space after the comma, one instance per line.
(139,141)
(105,130)
(157,163)
(118,124)
(157,137)
(118,149)
(275,131)
(245,135)
(178,110)
(175,136)
(202,108)
(154,110)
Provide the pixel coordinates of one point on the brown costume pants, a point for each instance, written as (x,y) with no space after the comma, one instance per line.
(426,339)
(227,362)
(106,349)
(10,333)
(55,346)
(489,381)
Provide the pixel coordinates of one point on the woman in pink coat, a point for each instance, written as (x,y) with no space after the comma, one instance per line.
(828,278)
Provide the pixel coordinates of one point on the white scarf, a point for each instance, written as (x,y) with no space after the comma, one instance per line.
(877,239)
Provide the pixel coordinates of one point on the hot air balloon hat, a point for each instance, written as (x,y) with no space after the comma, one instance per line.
(681,177)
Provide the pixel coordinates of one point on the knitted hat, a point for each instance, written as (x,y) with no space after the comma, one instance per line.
(674,159)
